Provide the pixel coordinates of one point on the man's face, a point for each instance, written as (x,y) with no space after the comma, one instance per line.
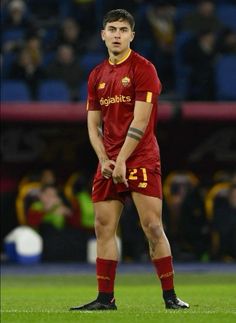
(117,36)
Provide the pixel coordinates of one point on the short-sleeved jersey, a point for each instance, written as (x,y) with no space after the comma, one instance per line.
(113,89)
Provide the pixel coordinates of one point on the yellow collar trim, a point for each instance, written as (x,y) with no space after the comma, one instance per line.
(122,59)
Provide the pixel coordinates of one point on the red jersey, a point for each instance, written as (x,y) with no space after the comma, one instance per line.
(113,89)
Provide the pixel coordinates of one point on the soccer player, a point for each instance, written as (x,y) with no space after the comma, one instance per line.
(122,114)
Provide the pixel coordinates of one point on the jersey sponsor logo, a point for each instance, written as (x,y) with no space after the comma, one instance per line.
(114,99)
(125,81)
(142,185)
(101,85)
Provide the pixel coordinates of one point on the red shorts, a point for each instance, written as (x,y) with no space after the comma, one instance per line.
(141,180)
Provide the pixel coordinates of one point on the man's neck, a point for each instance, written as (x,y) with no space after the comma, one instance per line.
(116,59)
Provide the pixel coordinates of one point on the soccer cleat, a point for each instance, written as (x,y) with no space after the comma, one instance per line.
(175,303)
(96,306)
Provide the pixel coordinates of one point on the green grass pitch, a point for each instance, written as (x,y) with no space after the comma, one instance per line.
(46,298)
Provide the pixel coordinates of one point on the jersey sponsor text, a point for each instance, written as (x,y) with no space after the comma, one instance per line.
(114,99)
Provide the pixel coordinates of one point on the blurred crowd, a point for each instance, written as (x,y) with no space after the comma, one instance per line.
(197,217)
(61,213)
(60,40)
(199,220)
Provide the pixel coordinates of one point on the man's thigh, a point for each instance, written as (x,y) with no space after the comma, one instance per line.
(108,209)
(149,208)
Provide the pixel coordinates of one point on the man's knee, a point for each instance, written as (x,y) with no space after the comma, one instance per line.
(155,231)
(153,228)
(103,227)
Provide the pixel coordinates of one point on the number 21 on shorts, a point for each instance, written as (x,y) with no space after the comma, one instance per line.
(135,173)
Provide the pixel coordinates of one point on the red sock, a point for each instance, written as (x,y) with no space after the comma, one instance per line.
(106,273)
(165,272)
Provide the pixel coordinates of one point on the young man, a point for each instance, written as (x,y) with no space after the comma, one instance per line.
(122,101)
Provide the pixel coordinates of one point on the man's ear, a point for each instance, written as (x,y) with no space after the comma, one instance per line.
(132,37)
(102,34)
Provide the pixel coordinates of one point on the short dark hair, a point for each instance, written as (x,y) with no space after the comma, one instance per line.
(119,14)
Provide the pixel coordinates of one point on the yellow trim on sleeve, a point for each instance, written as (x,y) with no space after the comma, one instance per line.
(149,97)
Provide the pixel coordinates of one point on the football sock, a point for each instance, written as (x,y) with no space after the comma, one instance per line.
(106,272)
(165,272)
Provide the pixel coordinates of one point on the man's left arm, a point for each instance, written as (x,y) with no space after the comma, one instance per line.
(142,112)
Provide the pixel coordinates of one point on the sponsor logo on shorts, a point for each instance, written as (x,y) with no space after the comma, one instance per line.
(142,185)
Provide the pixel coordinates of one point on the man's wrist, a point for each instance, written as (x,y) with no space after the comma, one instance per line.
(102,160)
(121,159)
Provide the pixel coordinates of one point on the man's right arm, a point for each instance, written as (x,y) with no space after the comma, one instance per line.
(94,122)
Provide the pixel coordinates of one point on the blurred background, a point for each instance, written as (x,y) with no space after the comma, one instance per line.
(47,164)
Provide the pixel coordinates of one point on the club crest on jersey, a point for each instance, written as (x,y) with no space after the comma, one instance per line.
(101,85)
(125,81)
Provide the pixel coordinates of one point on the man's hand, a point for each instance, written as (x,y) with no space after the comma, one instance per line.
(119,173)
(107,167)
